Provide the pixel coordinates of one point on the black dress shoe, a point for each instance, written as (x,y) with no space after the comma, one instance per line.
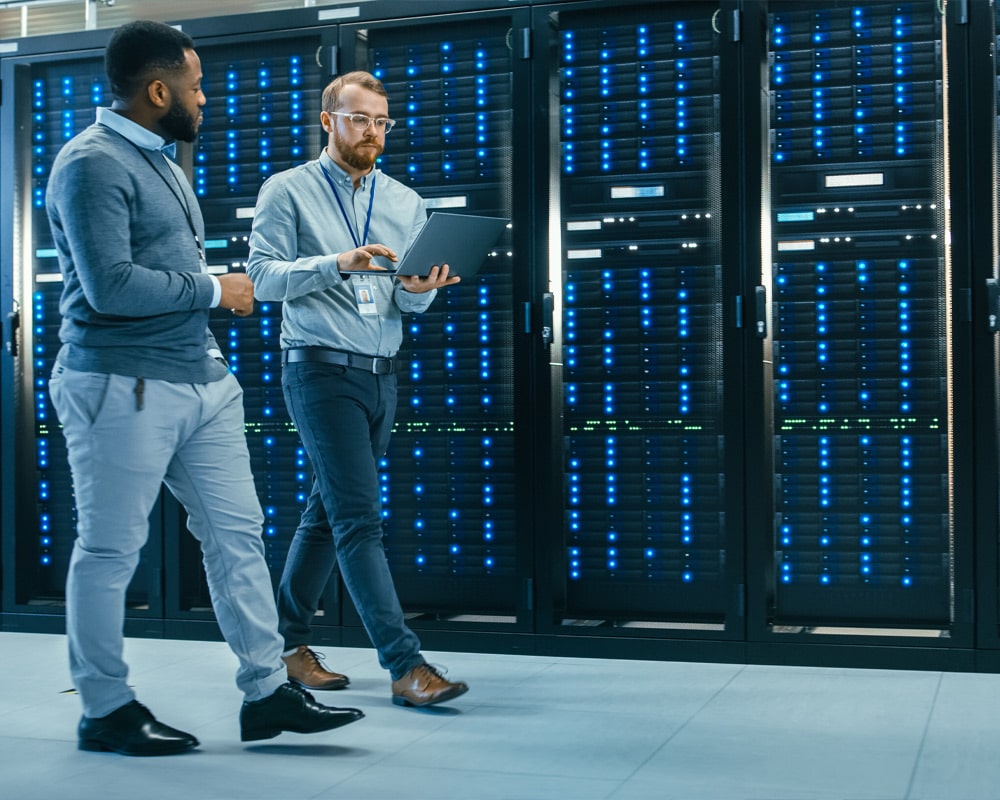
(291,708)
(132,731)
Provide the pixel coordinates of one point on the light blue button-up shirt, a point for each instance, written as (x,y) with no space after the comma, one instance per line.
(134,132)
(298,232)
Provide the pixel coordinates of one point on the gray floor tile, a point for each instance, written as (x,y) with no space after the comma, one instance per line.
(782,732)
(384,781)
(530,728)
(959,759)
(547,741)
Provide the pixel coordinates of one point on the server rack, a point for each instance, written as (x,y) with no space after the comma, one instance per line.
(863,313)
(263,101)
(809,466)
(982,86)
(648,438)
(57,97)
(261,118)
(457,478)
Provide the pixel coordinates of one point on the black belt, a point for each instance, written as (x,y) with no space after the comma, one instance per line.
(379,365)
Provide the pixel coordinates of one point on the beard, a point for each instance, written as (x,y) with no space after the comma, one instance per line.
(179,124)
(361,155)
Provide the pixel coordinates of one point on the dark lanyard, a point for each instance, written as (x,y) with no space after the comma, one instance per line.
(178,197)
(343,211)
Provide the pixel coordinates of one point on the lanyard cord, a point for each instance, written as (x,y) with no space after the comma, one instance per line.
(343,211)
(181,200)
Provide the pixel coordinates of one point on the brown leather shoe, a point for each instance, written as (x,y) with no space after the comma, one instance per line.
(305,669)
(425,686)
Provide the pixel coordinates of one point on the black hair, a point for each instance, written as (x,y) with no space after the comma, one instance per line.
(140,48)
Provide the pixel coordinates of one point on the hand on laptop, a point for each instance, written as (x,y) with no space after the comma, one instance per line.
(361,258)
(437,279)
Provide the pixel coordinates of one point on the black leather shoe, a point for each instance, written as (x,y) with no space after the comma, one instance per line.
(291,708)
(132,731)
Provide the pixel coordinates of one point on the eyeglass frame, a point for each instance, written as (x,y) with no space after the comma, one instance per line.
(388,124)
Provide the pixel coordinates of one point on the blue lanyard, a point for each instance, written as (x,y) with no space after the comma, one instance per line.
(343,211)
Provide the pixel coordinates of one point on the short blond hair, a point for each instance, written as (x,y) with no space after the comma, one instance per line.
(331,94)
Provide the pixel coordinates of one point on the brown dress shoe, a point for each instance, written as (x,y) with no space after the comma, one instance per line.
(425,686)
(305,669)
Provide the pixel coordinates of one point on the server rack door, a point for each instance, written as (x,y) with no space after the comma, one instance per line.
(54,99)
(262,117)
(984,82)
(862,418)
(454,498)
(638,285)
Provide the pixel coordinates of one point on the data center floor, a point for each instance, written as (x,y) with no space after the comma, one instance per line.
(530,727)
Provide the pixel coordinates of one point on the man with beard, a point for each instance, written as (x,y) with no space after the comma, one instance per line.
(314,225)
(145,398)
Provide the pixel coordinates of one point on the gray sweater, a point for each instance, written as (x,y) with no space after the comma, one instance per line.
(135,300)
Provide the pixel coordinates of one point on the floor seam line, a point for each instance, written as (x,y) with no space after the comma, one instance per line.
(923,738)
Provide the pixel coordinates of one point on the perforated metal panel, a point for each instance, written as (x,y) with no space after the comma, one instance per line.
(449,499)
(641,321)
(860,282)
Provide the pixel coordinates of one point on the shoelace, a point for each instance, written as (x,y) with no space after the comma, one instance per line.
(436,671)
(299,690)
(317,658)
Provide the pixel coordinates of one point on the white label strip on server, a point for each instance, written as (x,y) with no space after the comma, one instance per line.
(344,12)
(799,244)
(594,253)
(632,192)
(855,179)
(458,201)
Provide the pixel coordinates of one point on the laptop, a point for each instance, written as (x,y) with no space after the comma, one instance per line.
(461,241)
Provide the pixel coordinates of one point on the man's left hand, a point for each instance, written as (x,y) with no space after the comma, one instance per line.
(437,279)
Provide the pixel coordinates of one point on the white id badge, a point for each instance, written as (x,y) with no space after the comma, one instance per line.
(364,294)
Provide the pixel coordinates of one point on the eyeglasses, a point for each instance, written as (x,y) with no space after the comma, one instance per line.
(362,121)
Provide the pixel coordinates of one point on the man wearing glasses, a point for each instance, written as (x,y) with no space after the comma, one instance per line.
(316,231)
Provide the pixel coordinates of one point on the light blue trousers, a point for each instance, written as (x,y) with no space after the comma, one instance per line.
(121,451)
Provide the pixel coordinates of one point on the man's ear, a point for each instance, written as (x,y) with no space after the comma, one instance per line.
(326,121)
(158,93)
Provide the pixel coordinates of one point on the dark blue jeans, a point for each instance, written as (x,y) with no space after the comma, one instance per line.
(344,417)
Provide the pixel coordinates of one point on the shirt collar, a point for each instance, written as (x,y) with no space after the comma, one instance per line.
(135,133)
(338,174)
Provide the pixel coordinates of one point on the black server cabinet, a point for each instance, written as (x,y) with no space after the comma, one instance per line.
(650,538)
(457,488)
(55,98)
(594,445)
(262,117)
(983,87)
(861,395)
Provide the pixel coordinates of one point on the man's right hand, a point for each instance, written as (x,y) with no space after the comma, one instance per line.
(361,258)
(237,293)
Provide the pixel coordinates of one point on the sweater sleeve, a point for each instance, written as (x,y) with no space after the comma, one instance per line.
(274,266)
(93,206)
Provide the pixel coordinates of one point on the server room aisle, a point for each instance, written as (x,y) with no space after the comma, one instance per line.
(530,727)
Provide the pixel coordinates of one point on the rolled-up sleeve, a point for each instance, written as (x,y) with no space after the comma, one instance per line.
(278,274)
